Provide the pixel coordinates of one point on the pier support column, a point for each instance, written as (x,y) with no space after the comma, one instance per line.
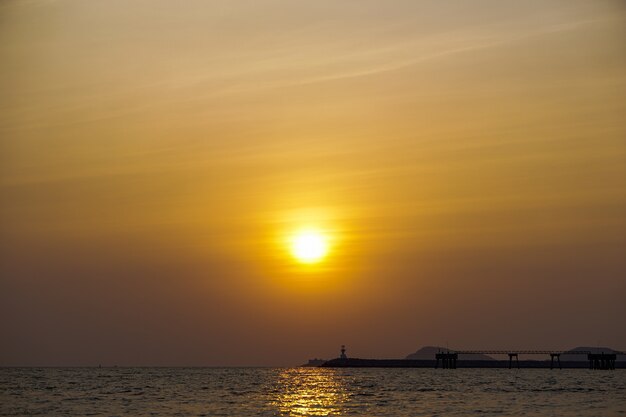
(511,356)
(558,359)
(602,360)
(448,360)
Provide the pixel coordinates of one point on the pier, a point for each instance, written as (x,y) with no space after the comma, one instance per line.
(451,359)
(448,360)
(603,361)
(554,355)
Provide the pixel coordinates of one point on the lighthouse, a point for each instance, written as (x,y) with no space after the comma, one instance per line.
(343,352)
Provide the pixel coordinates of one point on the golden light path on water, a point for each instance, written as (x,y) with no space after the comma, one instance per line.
(310,392)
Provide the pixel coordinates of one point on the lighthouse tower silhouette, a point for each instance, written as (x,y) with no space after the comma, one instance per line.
(343,352)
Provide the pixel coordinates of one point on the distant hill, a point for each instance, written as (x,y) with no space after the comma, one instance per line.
(428,353)
(566,357)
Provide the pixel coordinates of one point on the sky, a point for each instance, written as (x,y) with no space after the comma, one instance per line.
(464,161)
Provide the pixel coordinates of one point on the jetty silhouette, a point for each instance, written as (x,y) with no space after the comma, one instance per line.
(596,358)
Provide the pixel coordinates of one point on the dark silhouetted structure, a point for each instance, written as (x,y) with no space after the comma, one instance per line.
(448,360)
(343,352)
(558,359)
(515,354)
(602,360)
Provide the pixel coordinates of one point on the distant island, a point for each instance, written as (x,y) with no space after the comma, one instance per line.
(425,357)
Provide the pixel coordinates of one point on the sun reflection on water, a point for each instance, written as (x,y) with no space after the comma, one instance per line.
(309,392)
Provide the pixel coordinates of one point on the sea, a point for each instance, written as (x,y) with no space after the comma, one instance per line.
(310,392)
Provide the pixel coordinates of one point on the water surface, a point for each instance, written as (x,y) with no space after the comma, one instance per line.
(310,392)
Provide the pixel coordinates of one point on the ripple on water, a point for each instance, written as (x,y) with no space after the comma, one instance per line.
(309,392)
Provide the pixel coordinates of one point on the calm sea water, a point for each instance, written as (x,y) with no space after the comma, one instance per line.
(310,392)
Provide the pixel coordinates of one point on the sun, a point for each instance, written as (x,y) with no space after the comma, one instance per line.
(309,246)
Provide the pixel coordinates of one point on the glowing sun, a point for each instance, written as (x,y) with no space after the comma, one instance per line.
(309,246)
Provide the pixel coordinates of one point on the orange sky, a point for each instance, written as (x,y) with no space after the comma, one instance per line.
(467,161)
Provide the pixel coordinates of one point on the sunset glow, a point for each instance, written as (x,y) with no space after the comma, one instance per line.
(309,246)
(256,183)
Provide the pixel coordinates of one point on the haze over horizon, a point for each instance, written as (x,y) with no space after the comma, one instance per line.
(258,183)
